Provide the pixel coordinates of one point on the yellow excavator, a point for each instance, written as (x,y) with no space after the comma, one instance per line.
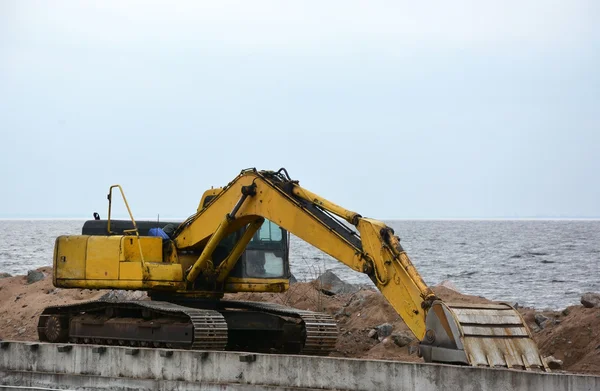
(238,241)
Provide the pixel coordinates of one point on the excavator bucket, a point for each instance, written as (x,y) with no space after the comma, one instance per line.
(490,335)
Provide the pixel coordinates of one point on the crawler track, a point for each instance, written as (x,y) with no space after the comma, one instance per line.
(165,324)
(207,329)
(321,329)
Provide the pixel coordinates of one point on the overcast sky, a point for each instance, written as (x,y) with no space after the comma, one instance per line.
(393,109)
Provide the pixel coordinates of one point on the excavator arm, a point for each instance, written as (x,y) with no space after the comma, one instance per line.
(484,335)
(371,247)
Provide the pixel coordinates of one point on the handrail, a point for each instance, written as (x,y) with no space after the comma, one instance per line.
(135,228)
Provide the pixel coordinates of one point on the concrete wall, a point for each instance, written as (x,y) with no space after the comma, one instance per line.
(89,368)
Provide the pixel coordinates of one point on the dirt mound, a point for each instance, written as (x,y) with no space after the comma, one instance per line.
(21,303)
(572,335)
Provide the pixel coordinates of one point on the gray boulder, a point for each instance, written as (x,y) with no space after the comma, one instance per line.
(402,338)
(541,320)
(330,284)
(384,330)
(591,300)
(34,276)
(342,312)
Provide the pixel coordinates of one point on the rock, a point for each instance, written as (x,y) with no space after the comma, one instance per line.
(341,312)
(553,363)
(387,342)
(116,295)
(373,334)
(448,284)
(402,338)
(330,284)
(541,320)
(566,312)
(22,330)
(384,330)
(5,275)
(34,276)
(293,279)
(591,300)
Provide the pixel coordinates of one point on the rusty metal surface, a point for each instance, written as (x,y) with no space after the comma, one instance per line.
(209,327)
(321,334)
(486,316)
(503,352)
(495,331)
(491,335)
(496,336)
(210,331)
(321,329)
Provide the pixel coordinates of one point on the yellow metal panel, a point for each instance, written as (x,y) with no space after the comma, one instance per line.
(156,271)
(69,253)
(122,284)
(130,271)
(256,285)
(103,257)
(165,272)
(208,193)
(151,247)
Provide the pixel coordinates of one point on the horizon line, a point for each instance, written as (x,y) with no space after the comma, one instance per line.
(175,219)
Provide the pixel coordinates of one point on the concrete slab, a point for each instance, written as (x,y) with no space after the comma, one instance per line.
(85,367)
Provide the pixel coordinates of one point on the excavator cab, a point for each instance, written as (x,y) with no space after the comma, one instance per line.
(266,256)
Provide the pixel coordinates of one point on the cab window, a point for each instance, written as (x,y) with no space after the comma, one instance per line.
(265,252)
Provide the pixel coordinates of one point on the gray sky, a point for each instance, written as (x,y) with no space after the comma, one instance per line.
(393,109)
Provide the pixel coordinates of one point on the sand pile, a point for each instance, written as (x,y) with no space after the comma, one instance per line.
(369,326)
(21,303)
